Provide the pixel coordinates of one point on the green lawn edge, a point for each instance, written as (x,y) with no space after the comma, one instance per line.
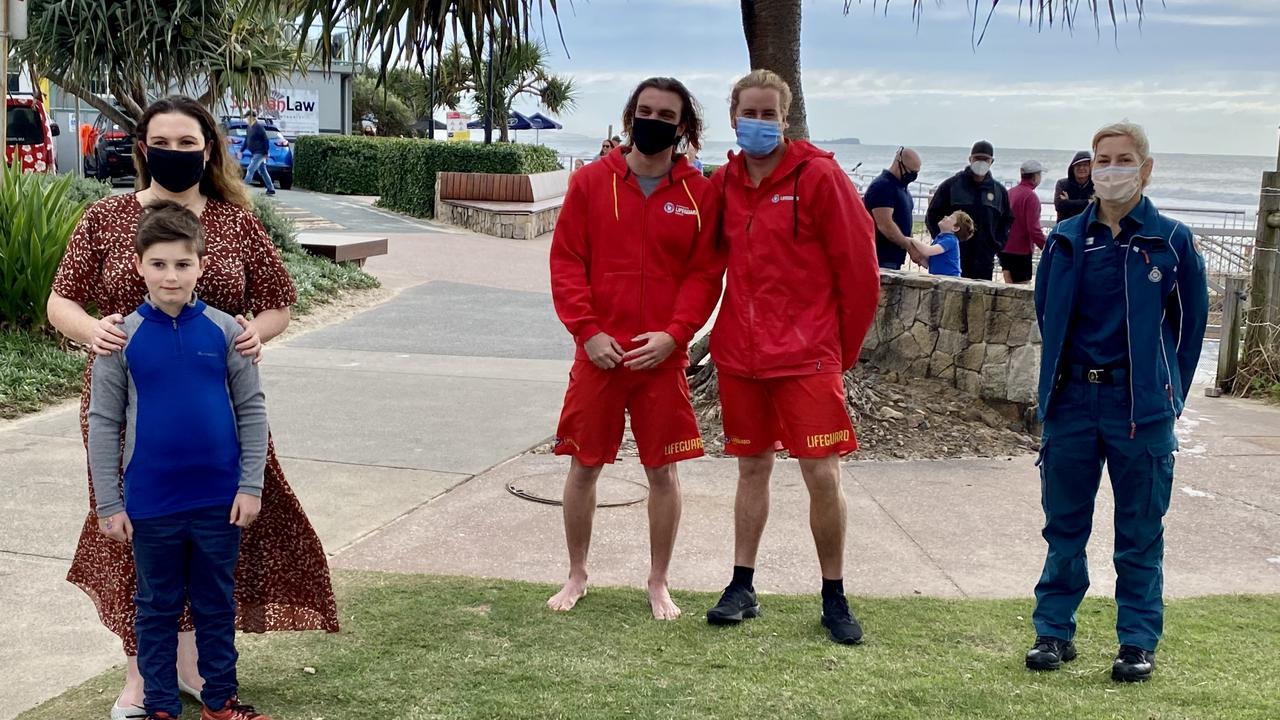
(416,646)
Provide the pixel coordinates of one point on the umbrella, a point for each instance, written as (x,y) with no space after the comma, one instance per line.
(515,121)
(423,124)
(542,122)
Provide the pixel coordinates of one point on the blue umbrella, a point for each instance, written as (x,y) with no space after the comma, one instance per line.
(515,121)
(542,122)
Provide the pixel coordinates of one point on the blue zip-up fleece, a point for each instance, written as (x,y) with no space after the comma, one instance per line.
(193,412)
(1166,308)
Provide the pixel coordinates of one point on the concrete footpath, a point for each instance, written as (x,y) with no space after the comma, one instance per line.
(402,427)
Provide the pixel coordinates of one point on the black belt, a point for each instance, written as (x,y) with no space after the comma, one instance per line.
(1096,376)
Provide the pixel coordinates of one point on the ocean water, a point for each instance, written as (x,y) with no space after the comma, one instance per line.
(1229,184)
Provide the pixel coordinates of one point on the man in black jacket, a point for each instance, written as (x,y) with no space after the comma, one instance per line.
(1075,191)
(256,142)
(976,192)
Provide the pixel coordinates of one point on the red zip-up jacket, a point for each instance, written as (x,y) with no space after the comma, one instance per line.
(624,264)
(803,282)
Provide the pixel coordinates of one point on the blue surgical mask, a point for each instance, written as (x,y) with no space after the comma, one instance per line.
(758,138)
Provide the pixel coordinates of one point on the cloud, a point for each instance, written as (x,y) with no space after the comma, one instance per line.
(1215,21)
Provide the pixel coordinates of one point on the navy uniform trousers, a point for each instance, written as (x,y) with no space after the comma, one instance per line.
(1088,427)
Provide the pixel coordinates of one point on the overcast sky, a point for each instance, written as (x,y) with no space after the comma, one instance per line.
(1202,75)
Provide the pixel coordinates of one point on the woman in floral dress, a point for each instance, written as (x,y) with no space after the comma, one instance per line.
(282,580)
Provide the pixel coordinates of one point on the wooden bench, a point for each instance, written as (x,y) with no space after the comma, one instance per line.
(343,247)
(506,206)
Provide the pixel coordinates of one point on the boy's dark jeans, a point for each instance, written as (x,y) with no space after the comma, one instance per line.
(187,556)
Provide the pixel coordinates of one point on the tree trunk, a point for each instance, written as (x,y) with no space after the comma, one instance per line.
(93,100)
(772,28)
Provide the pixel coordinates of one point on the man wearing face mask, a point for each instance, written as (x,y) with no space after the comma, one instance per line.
(888,197)
(1122,301)
(634,274)
(975,191)
(801,291)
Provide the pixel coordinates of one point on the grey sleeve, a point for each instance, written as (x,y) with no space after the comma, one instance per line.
(250,405)
(108,405)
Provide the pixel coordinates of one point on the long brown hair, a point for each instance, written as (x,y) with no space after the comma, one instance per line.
(690,112)
(222,177)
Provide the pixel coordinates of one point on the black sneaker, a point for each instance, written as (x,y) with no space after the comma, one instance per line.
(1133,664)
(839,622)
(1050,652)
(736,605)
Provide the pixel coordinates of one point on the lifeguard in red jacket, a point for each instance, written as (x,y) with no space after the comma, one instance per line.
(801,291)
(634,274)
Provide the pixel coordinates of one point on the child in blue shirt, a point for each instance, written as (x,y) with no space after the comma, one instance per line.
(944,253)
(193,420)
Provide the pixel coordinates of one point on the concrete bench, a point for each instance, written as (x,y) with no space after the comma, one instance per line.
(343,247)
(507,206)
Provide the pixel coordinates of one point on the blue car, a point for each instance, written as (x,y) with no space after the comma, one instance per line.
(279,159)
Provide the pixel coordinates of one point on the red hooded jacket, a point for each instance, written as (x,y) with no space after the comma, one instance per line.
(624,264)
(803,282)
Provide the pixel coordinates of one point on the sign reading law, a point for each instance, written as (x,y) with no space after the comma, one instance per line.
(296,111)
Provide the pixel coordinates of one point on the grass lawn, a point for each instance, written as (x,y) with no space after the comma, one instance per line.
(35,372)
(416,647)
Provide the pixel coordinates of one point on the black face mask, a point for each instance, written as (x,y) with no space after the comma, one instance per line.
(907,176)
(652,136)
(175,170)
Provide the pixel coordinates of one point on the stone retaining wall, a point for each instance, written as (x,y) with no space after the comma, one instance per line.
(980,337)
(519,226)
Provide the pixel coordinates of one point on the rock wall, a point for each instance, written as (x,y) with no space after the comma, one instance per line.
(980,337)
(516,225)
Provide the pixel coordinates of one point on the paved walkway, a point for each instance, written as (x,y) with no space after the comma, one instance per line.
(401,428)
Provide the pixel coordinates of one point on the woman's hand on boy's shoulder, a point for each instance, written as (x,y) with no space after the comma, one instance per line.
(117,527)
(245,509)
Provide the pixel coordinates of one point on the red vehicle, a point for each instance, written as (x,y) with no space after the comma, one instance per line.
(30,134)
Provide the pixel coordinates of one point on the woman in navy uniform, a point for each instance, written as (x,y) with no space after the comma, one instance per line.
(1122,301)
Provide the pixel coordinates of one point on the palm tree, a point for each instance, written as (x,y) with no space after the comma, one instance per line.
(126,51)
(520,69)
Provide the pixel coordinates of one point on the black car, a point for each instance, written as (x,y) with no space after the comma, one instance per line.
(112,155)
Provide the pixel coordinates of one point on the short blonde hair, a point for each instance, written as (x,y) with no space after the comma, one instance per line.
(766,79)
(1126,129)
(964,225)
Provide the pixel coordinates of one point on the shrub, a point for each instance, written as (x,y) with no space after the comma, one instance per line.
(36,220)
(709,170)
(85,189)
(409,174)
(282,229)
(340,164)
(318,280)
(395,119)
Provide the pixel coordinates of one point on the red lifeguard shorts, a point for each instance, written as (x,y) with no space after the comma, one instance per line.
(803,414)
(592,421)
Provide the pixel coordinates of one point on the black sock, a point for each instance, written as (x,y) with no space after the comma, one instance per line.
(743,577)
(832,588)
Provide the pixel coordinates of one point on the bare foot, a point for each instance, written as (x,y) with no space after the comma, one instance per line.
(569,595)
(664,608)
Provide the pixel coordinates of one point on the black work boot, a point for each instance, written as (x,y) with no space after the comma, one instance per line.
(1050,652)
(1133,664)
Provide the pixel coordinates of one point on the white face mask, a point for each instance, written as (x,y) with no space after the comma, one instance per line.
(1116,184)
(980,167)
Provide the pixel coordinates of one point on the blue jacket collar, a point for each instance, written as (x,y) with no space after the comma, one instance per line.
(193,309)
(1142,214)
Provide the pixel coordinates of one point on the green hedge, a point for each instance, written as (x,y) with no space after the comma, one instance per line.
(339,164)
(409,177)
(403,170)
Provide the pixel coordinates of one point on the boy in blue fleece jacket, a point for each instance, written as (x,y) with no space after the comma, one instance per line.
(194,424)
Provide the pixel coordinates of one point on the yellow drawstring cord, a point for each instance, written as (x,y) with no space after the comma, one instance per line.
(615,198)
(696,212)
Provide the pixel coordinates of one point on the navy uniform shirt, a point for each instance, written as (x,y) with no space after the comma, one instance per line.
(888,191)
(1099,334)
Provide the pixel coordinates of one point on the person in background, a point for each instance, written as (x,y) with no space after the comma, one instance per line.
(1075,191)
(1015,259)
(943,256)
(607,145)
(256,142)
(975,191)
(888,197)
(1122,300)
